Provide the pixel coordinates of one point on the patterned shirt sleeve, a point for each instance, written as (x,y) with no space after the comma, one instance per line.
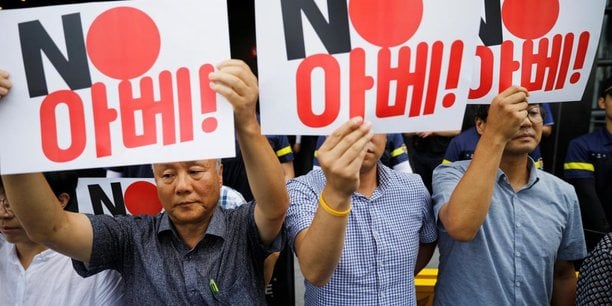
(595,278)
(303,207)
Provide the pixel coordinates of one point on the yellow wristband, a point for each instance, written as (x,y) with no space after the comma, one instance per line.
(332,211)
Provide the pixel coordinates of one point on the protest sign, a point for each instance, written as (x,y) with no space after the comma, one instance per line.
(545,46)
(118,196)
(404,65)
(113,83)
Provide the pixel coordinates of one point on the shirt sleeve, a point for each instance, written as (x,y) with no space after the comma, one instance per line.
(259,249)
(452,152)
(548,116)
(429,232)
(573,246)
(398,151)
(282,148)
(577,163)
(111,240)
(303,207)
(445,179)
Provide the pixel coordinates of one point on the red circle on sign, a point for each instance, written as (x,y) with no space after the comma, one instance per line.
(530,19)
(141,199)
(123,43)
(386,23)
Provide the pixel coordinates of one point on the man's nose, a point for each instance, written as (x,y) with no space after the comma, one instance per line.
(183,182)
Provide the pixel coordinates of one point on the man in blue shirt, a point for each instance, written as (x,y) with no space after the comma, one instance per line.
(195,253)
(508,232)
(360,230)
(588,166)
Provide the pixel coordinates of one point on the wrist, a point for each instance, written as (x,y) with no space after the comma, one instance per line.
(333,211)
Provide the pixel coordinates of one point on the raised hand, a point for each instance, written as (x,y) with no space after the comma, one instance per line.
(507,112)
(5,83)
(236,82)
(342,154)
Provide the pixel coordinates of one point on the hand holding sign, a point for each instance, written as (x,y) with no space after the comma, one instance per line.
(508,110)
(5,83)
(341,156)
(235,81)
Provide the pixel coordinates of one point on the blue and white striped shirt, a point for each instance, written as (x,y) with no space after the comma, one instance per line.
(382,239)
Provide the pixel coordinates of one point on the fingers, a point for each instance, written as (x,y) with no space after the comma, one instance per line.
(508,111)
(346,146)
(5,83)
(235,81)
(336,136)
(341,155)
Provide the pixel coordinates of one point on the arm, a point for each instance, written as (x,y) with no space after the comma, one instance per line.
(235,81)
(469,203)
(592,210)
(44,219)
(319,246)
(288,170)
(40,212)
(564,284)
(426,250)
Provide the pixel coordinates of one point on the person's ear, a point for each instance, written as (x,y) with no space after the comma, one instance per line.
(601,102)
(480,125)
(64,198)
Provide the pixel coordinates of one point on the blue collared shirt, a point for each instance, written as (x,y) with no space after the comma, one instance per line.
(159,269)
(511,259)
(382,239)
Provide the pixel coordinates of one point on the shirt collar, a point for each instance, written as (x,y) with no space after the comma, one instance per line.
(383,178)
(216,227)
(42,256)
(533,174)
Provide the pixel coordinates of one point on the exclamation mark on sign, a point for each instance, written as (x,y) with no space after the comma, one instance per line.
(208,99)
(454,68)
(583,43)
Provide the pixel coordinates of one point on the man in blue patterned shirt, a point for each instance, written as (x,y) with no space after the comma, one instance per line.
(194,253)
(360,230)
(508,231)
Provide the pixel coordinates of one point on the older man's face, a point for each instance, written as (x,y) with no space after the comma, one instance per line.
(188,191)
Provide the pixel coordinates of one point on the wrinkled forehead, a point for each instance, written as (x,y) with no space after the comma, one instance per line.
(185,164)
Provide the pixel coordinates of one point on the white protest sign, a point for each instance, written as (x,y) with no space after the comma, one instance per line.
(118,196)
(404,65)
(546,46)
(113,83)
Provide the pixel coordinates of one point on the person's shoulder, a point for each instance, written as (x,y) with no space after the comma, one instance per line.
(587,139)
(127,221)
(554,183)
(399,178)
(460,165)
(313,177)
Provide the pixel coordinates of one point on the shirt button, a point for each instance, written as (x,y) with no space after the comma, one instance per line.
(518,225)
(518,284)
(518,254)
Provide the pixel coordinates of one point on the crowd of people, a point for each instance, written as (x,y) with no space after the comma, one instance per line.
(361,226)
